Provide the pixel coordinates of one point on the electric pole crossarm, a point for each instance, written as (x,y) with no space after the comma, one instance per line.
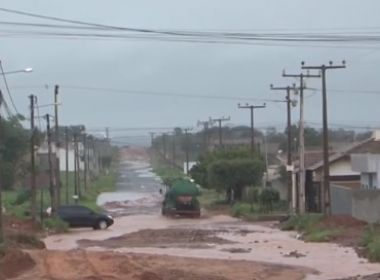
(252,108)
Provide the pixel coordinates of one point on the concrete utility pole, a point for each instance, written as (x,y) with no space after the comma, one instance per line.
(57,145)
(164,145)
(85,161)
(33,202)
(187,148)
(173,150)
(76,171)
(302,201)
(151,138)
(219,121)
(289,167)
(205,125)
(67,162)
(1,181)
(326,195)
(252,108)
(52,187)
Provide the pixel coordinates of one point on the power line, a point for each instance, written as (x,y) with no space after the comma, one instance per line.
(7,87)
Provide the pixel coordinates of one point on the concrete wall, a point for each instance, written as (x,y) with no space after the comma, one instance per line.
(341,200)
(366,205)
(361,204)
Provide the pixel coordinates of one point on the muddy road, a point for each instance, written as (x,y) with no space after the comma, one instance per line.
(145,245)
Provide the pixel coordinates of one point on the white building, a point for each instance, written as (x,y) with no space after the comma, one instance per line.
(369,167)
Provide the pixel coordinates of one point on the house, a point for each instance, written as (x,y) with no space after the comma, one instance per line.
(342,172)
(369,167)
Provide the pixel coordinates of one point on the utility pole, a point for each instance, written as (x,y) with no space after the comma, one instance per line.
(1,181)
(325,190)
(57,145)
(252,108)
(52,186)
(85,160)
(33,203)
(107,133)
(151,138)
(289,168)
(76,192)
(164,145)
(219,121)
(173,150)
(67,162)
(301,150)
(187,149)
(205,125)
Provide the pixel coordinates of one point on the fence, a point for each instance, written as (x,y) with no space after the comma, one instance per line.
(361,204)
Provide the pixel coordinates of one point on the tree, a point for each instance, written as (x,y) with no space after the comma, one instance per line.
(231,176)
(14,146)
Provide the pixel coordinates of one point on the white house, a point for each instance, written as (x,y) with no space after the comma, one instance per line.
(369,167)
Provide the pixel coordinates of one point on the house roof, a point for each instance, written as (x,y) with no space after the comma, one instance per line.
(370,145)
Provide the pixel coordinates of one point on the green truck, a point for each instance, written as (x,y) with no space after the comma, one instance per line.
(181,199)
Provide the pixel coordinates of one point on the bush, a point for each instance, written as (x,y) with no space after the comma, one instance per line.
(371,242)
(321,235)
(245,210)
(56,225)
(303,223)
(268,198)
(22,197)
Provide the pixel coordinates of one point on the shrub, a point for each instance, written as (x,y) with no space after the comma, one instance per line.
(56,225)
(321,235)
(22,197)
(268,197)
(240,209)
(371,241)
(303,223)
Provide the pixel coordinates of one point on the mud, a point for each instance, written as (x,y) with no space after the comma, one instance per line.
(162,238)
(82,265)
(15,262)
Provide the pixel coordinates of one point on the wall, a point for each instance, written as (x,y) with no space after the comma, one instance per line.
(366,205)
(341,200)
(361,204)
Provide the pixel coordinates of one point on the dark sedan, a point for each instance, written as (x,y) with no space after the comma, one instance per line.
(81,216)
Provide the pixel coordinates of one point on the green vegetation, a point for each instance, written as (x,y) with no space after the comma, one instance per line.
(56,225)
(311,227)
(165,170)
(17,203)
(371,242)
(228,171)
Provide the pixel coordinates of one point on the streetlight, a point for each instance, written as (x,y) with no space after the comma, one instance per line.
(26,70)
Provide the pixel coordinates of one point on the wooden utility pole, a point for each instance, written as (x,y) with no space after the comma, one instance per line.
(57,146)
(67,163)
(289,167)
(52,185)
(252,108)
(1,181)
(325,190)
(33,202)
(219,121)
(302,192)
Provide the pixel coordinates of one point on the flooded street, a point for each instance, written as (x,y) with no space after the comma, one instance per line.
(140,229)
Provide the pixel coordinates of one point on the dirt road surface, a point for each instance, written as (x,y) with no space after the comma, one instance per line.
(144,245)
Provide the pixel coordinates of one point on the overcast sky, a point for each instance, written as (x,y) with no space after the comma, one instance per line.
(191,68)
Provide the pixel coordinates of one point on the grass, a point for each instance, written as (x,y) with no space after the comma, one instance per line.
(311,228)
(18,207)
(371,242)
